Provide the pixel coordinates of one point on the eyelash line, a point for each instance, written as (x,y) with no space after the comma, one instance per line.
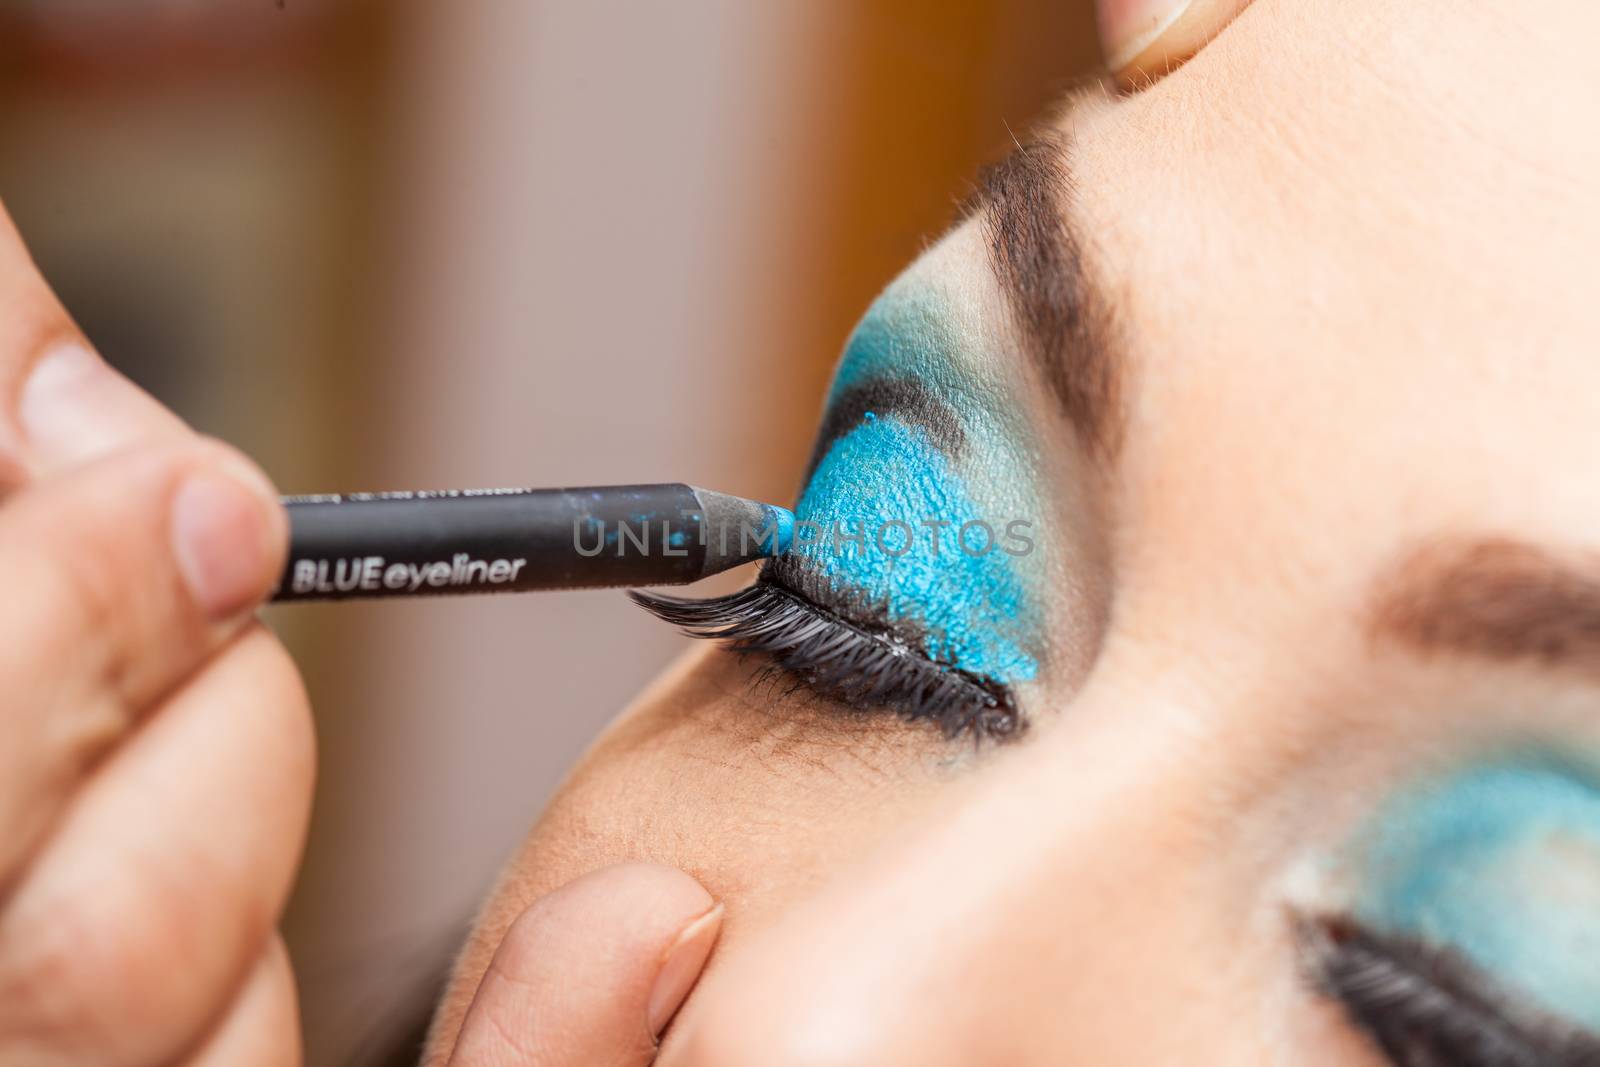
(1424,1006)
(842,660)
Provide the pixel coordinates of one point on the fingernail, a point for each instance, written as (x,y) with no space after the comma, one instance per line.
(71,407)
(681,964)
(1128,27)
(222,540)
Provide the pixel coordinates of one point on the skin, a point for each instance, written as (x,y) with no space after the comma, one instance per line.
(1349,249)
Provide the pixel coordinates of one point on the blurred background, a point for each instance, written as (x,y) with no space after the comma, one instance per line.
(383,244)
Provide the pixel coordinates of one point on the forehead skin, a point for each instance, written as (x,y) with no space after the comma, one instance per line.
(1349,250)
(1356,294)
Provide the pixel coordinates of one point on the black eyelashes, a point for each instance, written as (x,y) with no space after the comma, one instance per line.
(1429,1007)
(840,660)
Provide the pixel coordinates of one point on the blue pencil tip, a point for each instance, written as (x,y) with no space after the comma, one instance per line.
(785,520)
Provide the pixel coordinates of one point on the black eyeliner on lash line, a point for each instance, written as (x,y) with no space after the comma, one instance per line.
(862,666)
(869,661)
(1425,1006)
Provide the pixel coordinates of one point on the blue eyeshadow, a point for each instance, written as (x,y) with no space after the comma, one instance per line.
(909,333)
(904,333)
(963,598)
(1502,864)
(881,480)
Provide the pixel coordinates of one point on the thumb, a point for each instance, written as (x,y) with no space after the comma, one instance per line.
(589,975)
(1144,39)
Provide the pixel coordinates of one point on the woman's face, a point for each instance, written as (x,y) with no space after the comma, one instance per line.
(1290,364)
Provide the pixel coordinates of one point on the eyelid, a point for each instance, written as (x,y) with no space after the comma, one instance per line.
(842,660)
(909,399)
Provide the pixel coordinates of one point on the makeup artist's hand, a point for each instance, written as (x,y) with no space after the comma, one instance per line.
(591,973)
(155,741)
(1144,39)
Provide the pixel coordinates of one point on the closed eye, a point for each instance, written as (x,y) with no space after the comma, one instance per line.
(861,666)
(1425,1006)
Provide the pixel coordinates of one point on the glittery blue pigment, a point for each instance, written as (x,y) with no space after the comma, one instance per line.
(969,604)
(972,609)
(783,518)
(1501,863)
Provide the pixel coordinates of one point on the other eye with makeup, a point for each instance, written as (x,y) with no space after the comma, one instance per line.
(1427,1006)
(1473,935)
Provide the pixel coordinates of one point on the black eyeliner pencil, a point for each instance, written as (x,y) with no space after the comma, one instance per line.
(456,542)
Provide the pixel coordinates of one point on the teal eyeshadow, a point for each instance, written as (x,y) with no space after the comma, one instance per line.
(1502,864)
(903,333)
(969,608)
(908,333)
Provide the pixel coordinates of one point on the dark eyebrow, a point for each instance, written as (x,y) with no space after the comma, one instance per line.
(1037,257)
(1496,598)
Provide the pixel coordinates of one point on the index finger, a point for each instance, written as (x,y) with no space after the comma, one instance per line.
(61,405)
(122,578)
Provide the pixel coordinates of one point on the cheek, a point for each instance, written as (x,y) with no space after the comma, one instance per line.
(720,775)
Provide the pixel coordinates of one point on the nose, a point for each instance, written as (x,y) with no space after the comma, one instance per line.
(1065,905)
